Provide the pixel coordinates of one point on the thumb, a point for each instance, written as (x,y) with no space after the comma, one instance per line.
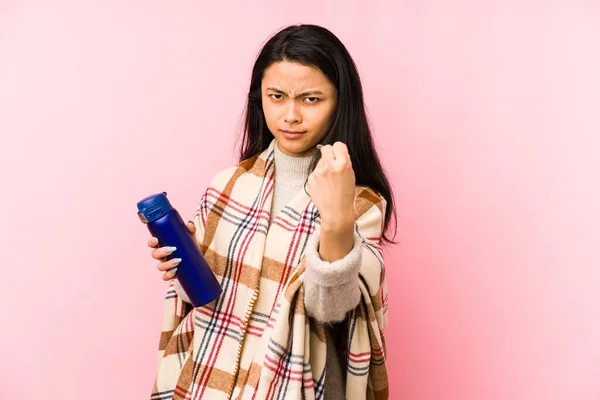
(191,227)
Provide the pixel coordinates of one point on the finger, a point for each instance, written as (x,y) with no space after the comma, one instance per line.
(163,252)
(326,167)
(168,265)
(152,242)
(167,276)
(321,165)
(327,152)
(191,227)
(340,164)
(340,150)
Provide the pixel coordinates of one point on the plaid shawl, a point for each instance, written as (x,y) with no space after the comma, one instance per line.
(255,340)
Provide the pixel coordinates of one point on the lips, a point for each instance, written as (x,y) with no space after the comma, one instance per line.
(292,132)
(292,135)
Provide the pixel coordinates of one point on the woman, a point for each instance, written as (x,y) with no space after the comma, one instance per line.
(293,233)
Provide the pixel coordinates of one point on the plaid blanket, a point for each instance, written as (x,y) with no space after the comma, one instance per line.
(255,340)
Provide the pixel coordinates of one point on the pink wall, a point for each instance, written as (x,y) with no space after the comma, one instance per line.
(487,116)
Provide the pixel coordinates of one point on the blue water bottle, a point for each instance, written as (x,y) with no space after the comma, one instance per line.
(193,273)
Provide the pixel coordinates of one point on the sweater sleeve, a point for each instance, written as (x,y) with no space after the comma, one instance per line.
(180,292)
(331,288)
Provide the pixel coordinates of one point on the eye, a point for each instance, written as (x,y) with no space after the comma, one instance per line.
(276,96)
(312,99)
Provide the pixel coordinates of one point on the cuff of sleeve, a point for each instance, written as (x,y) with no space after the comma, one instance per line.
(336,273)
(180,292)
(331,288)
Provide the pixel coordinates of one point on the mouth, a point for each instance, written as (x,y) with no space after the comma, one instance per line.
(292,132)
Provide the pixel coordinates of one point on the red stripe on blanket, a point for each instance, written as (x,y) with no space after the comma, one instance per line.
(237,206)
(281,374)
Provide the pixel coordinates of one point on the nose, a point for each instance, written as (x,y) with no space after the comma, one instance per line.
(292,113)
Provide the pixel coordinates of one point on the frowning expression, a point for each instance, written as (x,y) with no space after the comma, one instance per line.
(298,103)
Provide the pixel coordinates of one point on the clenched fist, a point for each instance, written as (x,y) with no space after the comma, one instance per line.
(332,187)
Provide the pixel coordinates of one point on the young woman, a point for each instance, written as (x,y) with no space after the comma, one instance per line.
(294,235)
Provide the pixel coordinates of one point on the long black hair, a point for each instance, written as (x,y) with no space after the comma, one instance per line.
(315,46)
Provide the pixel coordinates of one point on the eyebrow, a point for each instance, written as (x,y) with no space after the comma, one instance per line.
(310,92)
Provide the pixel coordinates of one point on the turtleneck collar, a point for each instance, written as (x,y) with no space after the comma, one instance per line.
(290,169)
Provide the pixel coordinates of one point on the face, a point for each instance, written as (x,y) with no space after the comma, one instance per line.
(298,103)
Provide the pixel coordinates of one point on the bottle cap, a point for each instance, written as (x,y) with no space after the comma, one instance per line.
(153,207)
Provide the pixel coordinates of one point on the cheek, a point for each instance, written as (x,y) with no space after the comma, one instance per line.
(322,117)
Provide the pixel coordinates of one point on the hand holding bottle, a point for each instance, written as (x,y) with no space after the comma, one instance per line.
(161,253)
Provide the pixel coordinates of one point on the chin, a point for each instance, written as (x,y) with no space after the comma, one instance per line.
(292,147)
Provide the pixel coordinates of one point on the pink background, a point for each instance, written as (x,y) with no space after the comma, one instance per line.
(487,117)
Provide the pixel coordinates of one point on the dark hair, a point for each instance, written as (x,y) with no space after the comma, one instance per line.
(316,46)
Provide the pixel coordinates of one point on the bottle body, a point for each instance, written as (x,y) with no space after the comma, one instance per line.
(193,272)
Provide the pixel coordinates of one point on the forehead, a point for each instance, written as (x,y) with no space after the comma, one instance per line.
(294,77)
